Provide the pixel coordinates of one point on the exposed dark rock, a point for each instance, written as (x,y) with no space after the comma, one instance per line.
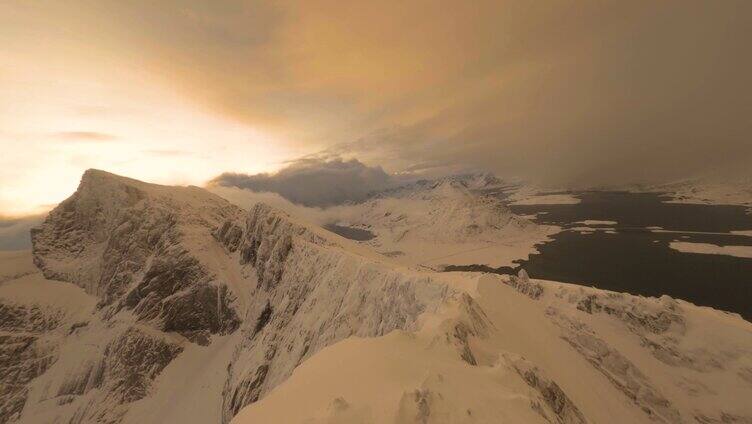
(619,370)
(27,318)
(634,314)
(199,312)
(461,335)
(75,326)
(133,360)
(249,389)
(263,319)
(79,383)
(310,294)
(667,352)
(125,240)
(522,284)
(415,406)
(229,234)
(563,409)
(476,325)
(724,418)
(23,355)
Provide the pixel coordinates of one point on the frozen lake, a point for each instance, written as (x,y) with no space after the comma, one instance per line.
(633,255)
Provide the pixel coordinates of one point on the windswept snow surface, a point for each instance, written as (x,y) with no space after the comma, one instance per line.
(158,304)
(548,352)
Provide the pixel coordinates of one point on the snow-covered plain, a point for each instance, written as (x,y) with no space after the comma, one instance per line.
(712,249)
(163,304)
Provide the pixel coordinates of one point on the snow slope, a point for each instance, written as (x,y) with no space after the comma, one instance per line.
(181,277)
(712,190)
(162,304)
(447,222)
(16,263)
(552,353)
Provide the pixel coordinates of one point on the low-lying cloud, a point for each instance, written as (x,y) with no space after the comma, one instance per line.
(315,182)
(321,216)
(15,232)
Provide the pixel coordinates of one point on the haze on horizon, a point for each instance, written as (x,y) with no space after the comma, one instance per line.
(565,93)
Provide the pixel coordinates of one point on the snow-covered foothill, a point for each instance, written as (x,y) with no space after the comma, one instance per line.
(447,222)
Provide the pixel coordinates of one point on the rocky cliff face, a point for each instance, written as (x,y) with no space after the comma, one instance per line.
(132,246)
(174,267)
(308,294)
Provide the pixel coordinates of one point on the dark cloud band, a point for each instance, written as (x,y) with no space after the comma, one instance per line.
(315,182)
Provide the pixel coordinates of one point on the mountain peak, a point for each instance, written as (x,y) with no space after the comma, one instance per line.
(98,176)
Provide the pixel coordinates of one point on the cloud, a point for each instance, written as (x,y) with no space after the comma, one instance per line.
(586,92)
(321,216)
(14,232)
(314,181)
(592,92)
(88,136)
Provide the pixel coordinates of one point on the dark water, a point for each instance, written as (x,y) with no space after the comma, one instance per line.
(350,232)
(639,261)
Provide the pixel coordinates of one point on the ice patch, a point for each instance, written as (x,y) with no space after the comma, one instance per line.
(712,249)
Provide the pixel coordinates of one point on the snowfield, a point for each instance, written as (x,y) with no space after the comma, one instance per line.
(712,249)
(705,190)
(16,264)
(445,222)
(155,304)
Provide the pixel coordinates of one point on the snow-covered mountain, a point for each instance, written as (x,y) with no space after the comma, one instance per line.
(155,304)
(447,221)
(714,191)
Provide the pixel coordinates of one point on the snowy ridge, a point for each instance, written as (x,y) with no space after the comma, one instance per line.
(310,294)
(135,248)
(447,221)
(168,304)
(173,269)
(553,353)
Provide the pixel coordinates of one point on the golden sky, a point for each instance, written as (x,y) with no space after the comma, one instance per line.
(566,92)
